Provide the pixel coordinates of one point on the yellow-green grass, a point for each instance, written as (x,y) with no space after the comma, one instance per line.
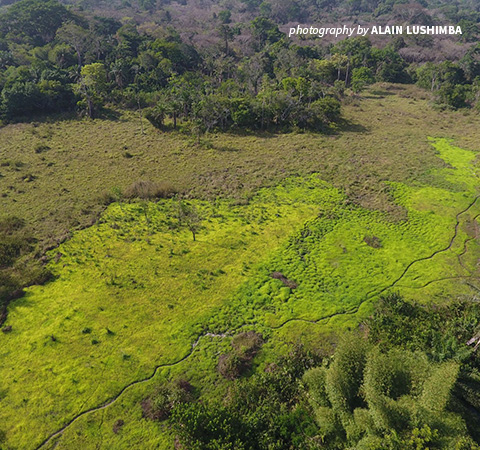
(430,227)
(130,294)
(133,293)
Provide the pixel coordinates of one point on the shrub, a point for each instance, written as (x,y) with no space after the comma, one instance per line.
(40,148)
(247,344)
(149,190)
(156,116)
(11,224)
(158,406)
(230,366)
(373,241)
(9,288)
(10,249)
(114,195)
(117,426)
(261,412)
(245,347)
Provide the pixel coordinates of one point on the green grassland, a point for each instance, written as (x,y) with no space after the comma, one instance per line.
(55,172)
(135,292)
(136,300)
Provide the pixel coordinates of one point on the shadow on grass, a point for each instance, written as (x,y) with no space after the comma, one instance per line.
(224,148)
(66,116)
(109,114)
(347,126)
(376,94)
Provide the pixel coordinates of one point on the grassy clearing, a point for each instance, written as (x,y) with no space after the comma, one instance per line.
(349,256)
(143,294)
(134,291)
(54,173)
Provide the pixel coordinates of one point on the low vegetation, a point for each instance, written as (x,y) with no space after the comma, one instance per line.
(143,308)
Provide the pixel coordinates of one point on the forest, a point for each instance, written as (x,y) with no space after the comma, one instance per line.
(57,59)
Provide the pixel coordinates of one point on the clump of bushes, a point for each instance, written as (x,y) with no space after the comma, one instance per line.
(244,348)
(149,190)
(11,224)
(288,283)
(373,241)
(264,411)
(410,382)
(117,426)
(156,116)
(371,399)
(40,148)
(108,197)
(159,405)
(15,242)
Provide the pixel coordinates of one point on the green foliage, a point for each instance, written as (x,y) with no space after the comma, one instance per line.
(21,99)
(93,88)
(265,31)
(361,77)
(159,405)
(15,243)
(446,80)
(189,217)
(390,66)
(344,378)
(442,333)
(156,116)
(398,390)
(137,250)
(245,346)
(141,61)
(261,412)
(33,21)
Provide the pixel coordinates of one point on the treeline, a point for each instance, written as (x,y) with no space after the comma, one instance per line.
(453,85)
(53,59)
(409,382)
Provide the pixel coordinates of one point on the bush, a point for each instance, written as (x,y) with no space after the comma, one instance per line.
(373,241)
(8,288)
(148,190)
(11,224)
(114,195)
(247,344)
(159,405)
(261,412)
(156,116)
(117,426)
(40,148)
(245,347)
(230,366)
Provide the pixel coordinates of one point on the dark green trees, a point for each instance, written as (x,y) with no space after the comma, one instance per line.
(33,21)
